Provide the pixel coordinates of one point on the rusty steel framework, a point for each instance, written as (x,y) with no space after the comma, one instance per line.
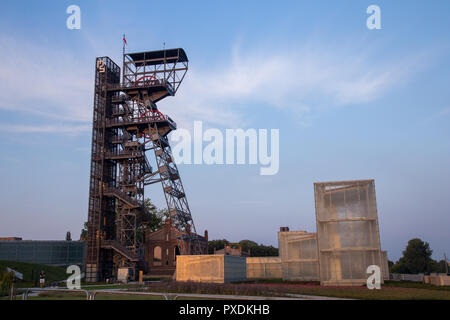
(126,124)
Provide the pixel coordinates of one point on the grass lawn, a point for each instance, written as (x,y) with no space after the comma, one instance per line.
(103,287)
(82,296)
(417,285)
(110,297)
(386,293)
(389,291)
(52,273)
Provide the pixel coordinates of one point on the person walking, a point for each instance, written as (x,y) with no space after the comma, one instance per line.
(42,279)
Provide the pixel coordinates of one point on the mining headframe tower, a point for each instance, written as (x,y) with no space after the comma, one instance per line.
(127,124)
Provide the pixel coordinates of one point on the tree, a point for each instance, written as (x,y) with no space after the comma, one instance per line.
(390,265)
(416,258)
(150,219)
(399,267)
(439,266)
(234,245)
(6,281)
(83,235)
(258,250)
(247,245)
(263,251)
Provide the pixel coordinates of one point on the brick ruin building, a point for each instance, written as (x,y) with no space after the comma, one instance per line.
(161,249)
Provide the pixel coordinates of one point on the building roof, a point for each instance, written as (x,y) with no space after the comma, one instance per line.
(158,57)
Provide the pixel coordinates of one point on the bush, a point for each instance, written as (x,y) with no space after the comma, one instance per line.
(245,289)
(6,280)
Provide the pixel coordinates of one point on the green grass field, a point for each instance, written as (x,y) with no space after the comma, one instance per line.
(98,296)
(391,290)
(388,292)
(27,269)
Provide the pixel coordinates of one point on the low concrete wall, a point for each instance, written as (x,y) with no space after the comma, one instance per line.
(407,277)
(440,280)
(211,268)
(264,268)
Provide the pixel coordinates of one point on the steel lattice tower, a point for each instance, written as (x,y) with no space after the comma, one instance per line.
(126,124)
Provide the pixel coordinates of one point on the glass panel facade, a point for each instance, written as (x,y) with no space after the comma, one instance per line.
(55,253)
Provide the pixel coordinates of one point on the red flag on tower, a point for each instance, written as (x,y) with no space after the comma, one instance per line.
(124,41)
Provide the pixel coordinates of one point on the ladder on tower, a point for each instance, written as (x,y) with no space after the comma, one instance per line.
(177,204)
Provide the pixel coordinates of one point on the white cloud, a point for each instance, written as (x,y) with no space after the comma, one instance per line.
(44,81)
(442,113)
(68,129)
(58,85)
(300,80)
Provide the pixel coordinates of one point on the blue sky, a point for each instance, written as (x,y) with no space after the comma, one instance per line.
(350,103)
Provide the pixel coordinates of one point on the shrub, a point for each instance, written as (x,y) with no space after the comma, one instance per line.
(6,280)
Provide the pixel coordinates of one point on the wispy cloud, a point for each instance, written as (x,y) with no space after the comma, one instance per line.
(302,79)
(442,113)
(57,84)
(43,81)
(68,129)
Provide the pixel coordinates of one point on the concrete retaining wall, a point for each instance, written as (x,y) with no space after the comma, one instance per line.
(407,277)
(440,280)
(264,268)
(211,268)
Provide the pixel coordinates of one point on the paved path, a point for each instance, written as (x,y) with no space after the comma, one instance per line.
(90,294)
